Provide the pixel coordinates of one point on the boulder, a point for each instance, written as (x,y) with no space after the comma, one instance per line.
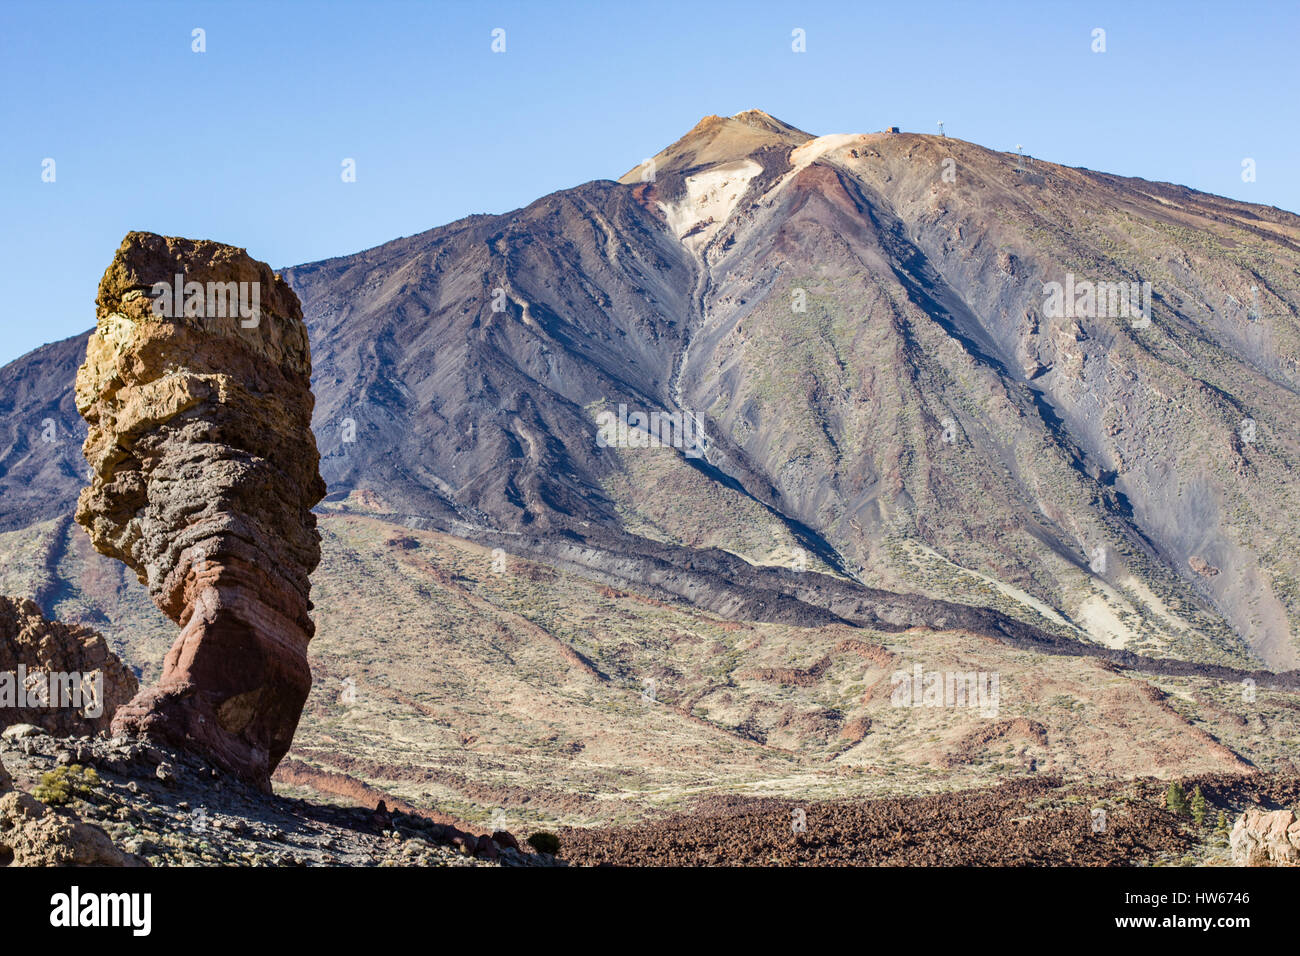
(204,470)
(1264,838)
(21,731)
(62,678)
(466,843)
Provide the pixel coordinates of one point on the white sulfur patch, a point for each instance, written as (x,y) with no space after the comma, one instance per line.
(711,196)
(803,156)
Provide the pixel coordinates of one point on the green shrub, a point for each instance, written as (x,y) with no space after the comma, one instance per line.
(1198,806)
(64,784)
(544,842)
(1176,799)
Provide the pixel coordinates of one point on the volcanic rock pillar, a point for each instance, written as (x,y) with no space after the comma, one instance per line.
(204,470)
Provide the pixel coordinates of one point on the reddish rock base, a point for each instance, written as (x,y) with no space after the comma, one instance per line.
(233,687)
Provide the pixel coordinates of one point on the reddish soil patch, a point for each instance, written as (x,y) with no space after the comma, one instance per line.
(298,774)
(978,740)
(789,676)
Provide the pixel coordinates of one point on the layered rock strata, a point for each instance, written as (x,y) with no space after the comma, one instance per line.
(204,470)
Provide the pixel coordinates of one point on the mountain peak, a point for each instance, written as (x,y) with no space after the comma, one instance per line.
(759,119)
(721,139)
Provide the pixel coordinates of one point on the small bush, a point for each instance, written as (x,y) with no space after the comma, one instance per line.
(64,784)
(545,843)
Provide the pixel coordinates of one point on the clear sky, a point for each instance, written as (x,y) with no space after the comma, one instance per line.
(244,143)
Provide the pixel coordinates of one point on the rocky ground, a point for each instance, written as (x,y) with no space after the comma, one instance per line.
(149,806)
(1028,822)
(441,681)
(164,808)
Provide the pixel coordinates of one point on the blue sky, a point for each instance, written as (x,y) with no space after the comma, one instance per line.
(244,143)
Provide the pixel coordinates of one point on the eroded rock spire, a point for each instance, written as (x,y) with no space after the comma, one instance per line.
(204,471)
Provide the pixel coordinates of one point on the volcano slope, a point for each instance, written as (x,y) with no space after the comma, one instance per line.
(905,446)
(885,392)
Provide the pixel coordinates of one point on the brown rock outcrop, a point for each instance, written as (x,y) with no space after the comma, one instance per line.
(63,678)
(204,474)
(33,835)
(1266,838)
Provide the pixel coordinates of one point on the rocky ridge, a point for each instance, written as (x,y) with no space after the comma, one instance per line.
(90,674)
